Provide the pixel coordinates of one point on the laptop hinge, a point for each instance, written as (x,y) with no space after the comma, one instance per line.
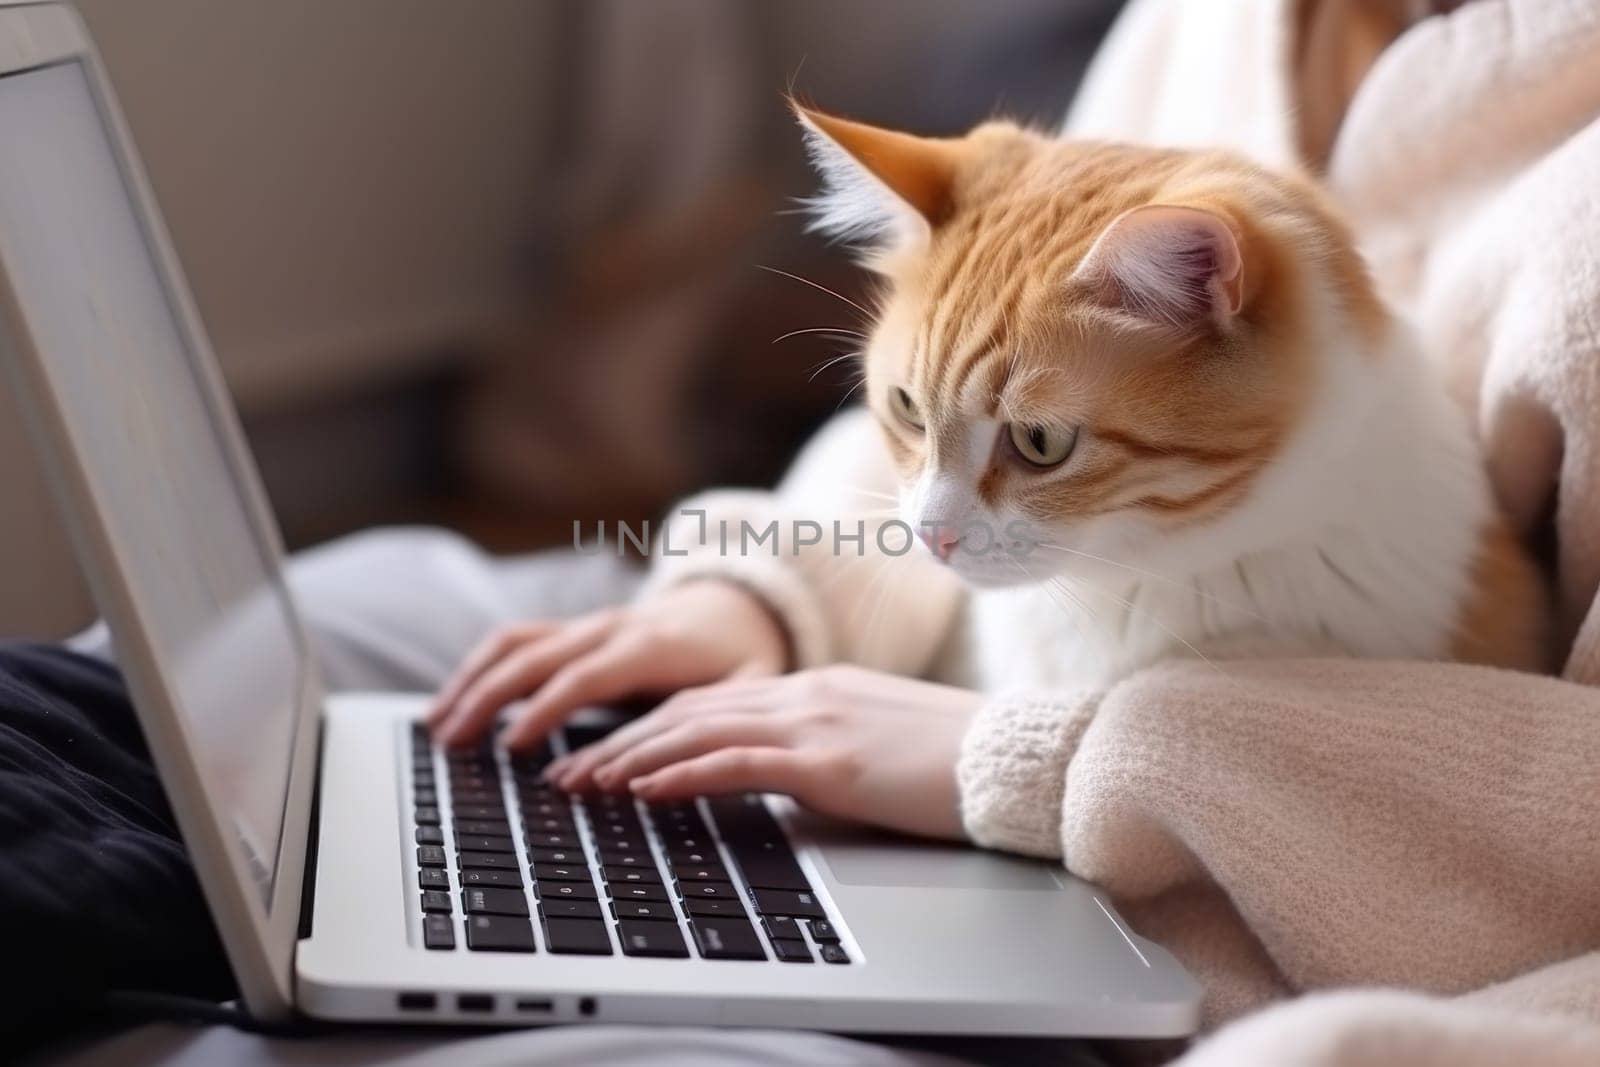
(308,886)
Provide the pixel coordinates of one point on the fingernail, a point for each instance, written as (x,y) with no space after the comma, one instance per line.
(639,786)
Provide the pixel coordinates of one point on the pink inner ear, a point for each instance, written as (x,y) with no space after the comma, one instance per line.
(1176,266)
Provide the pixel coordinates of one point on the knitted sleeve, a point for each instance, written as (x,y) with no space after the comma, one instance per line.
(823,553)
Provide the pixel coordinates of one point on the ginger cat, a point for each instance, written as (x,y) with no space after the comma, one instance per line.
(1162,388)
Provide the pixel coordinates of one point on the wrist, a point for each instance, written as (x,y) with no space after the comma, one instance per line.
(781,591)
(762,627)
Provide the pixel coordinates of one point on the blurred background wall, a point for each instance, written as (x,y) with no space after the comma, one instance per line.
(496,263)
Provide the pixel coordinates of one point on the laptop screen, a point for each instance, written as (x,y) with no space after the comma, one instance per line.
(206,586)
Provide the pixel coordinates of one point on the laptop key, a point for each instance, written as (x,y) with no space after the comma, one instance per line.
(566,890)
(835,954)
(654,910)
(579,937)
(432,878)
(632,875)
(529,760)
(560,872)
(607,824)
(790,951)
(714,909)
(651,939)
(422,779)
(620,891)
(689,872)
(568,909)
(493,827)
(430,856)
(438,931)
(430,835)
(727,939)
(743,817)
(503,879)
(696,842)
(768,864)
(425,797)
(490,901)
(546,840)
(436,900)
(782,928)
(499,933)
(627,859)
(623,845)
(557,855)
(707,891)
(478,798)
(488,861)
(484,843)
(550,824)
(785,902)
(427,816)
(476,811)
(822,932)
(692,855)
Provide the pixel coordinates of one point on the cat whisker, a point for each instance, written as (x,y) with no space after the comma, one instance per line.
(840,330)
(879,493)
(832,362)
(1084,610)
(1153,617)
(816,285)
(1192,587)
(861,379)
(881,586)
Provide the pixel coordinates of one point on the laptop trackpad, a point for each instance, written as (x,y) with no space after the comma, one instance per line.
(856,856)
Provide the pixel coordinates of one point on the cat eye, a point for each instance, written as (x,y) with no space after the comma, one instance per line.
(904,408)
(1043,446)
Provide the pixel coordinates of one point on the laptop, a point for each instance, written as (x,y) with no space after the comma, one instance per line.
(354,870)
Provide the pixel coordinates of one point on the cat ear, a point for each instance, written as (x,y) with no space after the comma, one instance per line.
(877,184)
(1173,266)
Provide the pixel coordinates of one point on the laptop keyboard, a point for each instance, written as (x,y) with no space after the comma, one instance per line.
(598,872)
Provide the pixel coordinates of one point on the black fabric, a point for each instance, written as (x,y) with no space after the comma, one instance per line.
(96,889)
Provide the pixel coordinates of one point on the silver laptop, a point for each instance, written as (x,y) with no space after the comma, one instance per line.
(354,870)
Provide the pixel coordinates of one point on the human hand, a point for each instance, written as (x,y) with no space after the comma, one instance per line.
(844,741)
(690,634)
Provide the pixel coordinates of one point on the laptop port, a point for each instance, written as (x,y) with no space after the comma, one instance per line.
(587,1006)
(417,1001)
(475,1002)
(536,1005)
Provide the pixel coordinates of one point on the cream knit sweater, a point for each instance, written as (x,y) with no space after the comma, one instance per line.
(1292,825)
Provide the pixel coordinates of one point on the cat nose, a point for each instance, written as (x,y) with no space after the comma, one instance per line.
(941,540)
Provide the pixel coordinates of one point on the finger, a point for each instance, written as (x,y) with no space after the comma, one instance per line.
(483,656)
(729,770)
(572,772)
(690,739)
(519,674)
(614,670)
